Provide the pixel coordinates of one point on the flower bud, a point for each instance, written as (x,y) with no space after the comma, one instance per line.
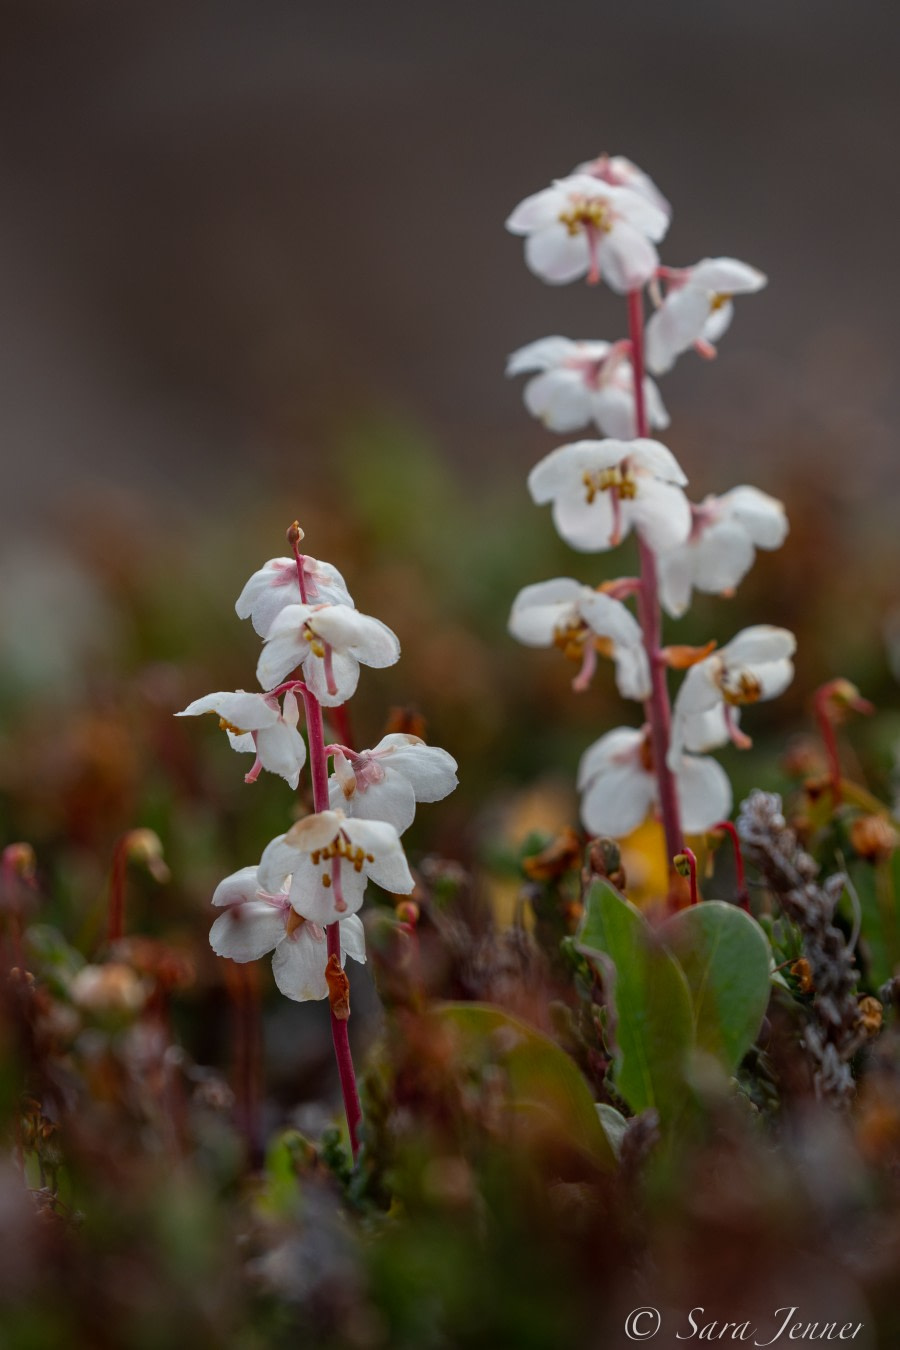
(873,838)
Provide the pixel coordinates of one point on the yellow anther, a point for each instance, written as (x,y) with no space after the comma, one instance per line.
(594,215)
(719,299)
(606,480)
(326,880)
(745,689)
(225,725)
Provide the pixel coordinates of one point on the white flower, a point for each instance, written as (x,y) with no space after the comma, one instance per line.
(330,858)
(386,782)
(255,724)
(277,585)
(599,489)
(255,922)
(329,642)
(619,786)
(621,172)
(582,623)
(581,381)
(720,549)
(697,309)
(753,667)
(583,225)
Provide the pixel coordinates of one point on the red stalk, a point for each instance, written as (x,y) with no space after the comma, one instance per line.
(657,709)
(318,764)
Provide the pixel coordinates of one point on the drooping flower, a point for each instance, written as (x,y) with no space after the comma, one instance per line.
(697,309)
(622,172)
(753,667)
(620,788)
(329,642)
(256,724)
(255,921)
(330,857)
(599,489)
(719,552)
(583,381)
(583,623)
(277,584)
(386,782)
(584,225)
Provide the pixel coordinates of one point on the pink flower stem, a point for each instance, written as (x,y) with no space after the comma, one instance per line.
(657,708)
(743,895)
(318,762)
(689,858)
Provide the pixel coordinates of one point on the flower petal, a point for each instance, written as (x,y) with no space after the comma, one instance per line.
(618,800)
(662,513)
(246,932)
(389,868)
(238,888)
(555,255)
(538,610)
(299,965)
(704,794)
(250,711)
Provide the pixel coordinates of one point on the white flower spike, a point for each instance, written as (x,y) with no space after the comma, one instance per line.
(330,857)
(582,225)
(583,623)
(255,724)
(620,788)
(600,489)
(277,585)
(255,922)
(719,552)
(697,309)
(329,642)
(753,667)
(579,382)
(386,782)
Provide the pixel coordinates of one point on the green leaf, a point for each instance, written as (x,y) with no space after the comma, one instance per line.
(545,1086)
(726,958)
(653,1032)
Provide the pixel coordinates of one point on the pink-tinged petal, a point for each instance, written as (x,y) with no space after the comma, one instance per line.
(324,584)
(655,458)
(556,256)
(276,864)
(344,678)
(726,276)
(661,512)
(704,794)
(560,399)
(250,712)
(430,770)
(620,746)
(237,889)
(544,354)
(282,750)
(627,258)
(299,965)
(537,211)
(762,516)
(540,609)
(618,800)
(246,932)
